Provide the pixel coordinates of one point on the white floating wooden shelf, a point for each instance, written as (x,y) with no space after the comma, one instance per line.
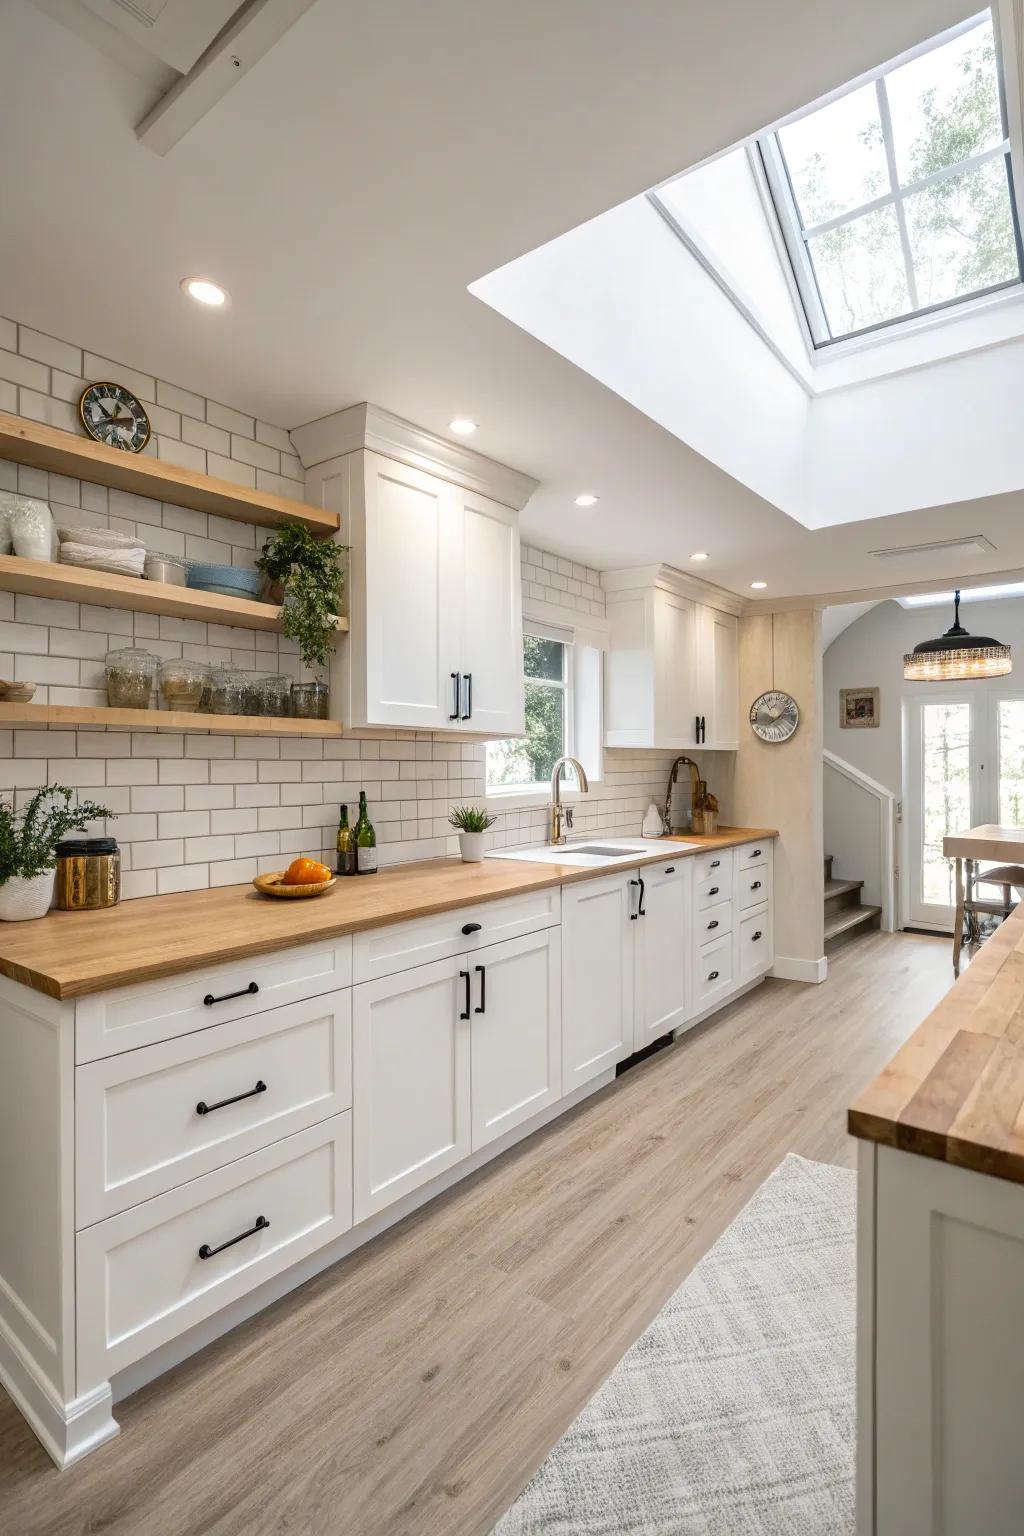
(163,720)
(29,442)
(103,589)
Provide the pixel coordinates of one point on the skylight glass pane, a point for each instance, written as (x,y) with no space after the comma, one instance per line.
(961,234)
(860,272)
(836,157)
(945,104)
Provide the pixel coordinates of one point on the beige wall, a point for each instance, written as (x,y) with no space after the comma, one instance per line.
(780,786)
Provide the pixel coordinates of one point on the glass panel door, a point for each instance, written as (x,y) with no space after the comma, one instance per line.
(1010,726)
(941,799)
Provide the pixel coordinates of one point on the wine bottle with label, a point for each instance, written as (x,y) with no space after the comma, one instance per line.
(366,840)
(346,845)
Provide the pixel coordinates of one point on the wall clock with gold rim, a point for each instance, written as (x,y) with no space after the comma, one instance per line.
(111,414)
(774,716)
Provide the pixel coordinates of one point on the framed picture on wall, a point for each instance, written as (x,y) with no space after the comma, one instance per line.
(858,708)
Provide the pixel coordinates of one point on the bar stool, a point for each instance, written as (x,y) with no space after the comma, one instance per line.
(1009,876)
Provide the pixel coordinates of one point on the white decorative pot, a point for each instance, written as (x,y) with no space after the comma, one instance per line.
(21,899)
(471,846)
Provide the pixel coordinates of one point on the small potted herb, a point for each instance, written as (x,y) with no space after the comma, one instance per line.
(471,824)
(306,574)
(28,848)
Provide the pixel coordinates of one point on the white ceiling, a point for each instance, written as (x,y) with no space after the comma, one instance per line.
(378,160)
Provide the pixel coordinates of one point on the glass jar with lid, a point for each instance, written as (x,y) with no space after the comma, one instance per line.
(227,691)
(182,684)
(310,701)
(129,675)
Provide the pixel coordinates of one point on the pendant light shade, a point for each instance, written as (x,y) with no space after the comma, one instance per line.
(956,656)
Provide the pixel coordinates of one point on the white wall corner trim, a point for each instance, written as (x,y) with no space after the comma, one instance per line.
(789,968)
(672,580)
(67,1431)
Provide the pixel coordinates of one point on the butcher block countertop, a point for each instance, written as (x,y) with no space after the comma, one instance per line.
(70,954)
(955,1091)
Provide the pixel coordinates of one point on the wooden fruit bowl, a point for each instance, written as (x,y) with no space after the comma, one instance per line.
(272,885)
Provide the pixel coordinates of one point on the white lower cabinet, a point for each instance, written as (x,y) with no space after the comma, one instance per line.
(516,1046)
(598,970)
(755,950)
(662,926)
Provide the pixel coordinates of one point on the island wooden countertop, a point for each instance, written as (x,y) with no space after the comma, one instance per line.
(70,954)
(955,1090)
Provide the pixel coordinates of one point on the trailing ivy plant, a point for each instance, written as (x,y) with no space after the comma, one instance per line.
(310,571)
(29,838)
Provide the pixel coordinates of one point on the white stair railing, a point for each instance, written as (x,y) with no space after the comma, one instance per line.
(860,831)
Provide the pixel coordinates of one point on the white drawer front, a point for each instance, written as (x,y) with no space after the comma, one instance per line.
(715,864)
(754,942)
(714,971)
(752,854)
(138,1126)
(384,951)
(149,1011)
(140,1278)
(753,886)
(713,889)
(714,922)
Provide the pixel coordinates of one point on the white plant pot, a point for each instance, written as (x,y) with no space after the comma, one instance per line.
(471,846)
(21,899)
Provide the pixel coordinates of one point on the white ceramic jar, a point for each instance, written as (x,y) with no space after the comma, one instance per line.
(33,532)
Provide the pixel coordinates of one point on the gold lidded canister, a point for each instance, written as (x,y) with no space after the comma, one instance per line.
(88,874)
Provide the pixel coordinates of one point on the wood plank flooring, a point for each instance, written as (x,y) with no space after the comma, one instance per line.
(413,1389)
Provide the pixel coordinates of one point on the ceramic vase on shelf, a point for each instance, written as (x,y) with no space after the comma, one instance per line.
(471,847)
(22,898)
(33,532)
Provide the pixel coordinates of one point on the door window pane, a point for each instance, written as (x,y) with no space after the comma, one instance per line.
(946,744)
(1011,762)
(860,271)
(836,157)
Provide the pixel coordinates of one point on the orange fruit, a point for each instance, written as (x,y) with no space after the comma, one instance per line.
(305,872)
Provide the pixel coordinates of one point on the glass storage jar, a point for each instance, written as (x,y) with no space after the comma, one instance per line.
(310,701)
(130,675)
(275,696)
(252,701)
(182,684)
(227,691)
(88,874)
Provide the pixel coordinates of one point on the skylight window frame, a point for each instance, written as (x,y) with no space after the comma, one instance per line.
(794,235)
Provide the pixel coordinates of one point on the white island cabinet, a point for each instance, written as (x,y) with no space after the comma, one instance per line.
(177,1152)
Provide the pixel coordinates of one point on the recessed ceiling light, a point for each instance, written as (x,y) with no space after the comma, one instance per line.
(699,555)
(586,499)
(758,586)
(462,425)
(205,292)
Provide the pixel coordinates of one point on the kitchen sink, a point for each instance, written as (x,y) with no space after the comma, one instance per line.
(612,851)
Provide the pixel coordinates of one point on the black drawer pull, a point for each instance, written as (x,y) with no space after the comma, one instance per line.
(714,863)
(713,976)
(671,870)
(251,989)
(634,915)
(756,885)
(713,924)
(468,680)
(756,853)
(469,928)
(206,1252)
(713,891)
(465,1013)
(482,969)
(456,695)
(755,936)
(202,1108)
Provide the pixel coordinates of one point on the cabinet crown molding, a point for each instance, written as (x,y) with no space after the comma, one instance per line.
(642,577)
(368,426)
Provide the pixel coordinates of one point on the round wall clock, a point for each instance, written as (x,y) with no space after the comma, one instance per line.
(112,415)
(774,716)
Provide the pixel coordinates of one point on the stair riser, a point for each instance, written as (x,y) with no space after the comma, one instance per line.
(829,859)
(841,902)
(871,924)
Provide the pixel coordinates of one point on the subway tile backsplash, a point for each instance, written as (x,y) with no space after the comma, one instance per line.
(198,811)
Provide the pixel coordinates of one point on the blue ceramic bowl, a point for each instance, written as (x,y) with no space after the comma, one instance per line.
(227,580)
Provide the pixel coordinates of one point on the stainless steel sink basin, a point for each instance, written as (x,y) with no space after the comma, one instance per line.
(612,851)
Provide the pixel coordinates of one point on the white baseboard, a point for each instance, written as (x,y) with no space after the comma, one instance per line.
(66,1431)
(789,968)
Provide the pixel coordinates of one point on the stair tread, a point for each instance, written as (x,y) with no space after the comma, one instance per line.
(851,917)
(840,887)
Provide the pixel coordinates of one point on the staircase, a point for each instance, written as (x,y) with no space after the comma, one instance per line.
(845,915)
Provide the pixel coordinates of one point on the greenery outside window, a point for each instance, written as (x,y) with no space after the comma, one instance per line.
(520,766)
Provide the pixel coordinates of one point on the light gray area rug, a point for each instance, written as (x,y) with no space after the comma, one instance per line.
(734,1412)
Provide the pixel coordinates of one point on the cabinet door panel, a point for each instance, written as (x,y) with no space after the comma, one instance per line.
(517,1032)
(718,676)
(674,697)
(413,609)
(492,640)
(598,976)
(662,939)
(754,940)
(410,1082)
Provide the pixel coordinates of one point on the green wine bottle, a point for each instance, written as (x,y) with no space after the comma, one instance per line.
(366,840)
(346,845)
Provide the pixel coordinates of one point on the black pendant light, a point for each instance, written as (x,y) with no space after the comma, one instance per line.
(957,656)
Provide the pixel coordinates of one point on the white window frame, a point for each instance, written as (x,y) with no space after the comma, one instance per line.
(795,235)
(519,796)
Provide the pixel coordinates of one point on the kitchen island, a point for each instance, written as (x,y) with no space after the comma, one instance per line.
(940,1365)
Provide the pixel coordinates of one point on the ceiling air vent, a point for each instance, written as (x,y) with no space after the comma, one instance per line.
(973,544)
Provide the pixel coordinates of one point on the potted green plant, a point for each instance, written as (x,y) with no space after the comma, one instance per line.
(308,575)
(471,824)
(28,847)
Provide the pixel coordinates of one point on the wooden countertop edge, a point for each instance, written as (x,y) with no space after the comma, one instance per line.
(64,983)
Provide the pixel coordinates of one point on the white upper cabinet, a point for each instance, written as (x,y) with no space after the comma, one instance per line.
(434,585)
(671,669)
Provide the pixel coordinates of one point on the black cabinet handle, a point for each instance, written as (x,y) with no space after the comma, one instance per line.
(634,915)
(713,891)
(251,989)
(671,870)
(468,680)
(456,694)
(482,973)
(469,928)
(756,853)
(714,863)
(703,729)
(206,1252)
(713,924)
(756,886)
(465,977)
(713,976)
(202,1108)
(641,909)
(755,936)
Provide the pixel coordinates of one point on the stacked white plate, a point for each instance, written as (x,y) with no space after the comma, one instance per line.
(102,549)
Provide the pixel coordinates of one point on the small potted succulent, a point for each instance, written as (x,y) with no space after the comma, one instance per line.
(28,847)
(470,824)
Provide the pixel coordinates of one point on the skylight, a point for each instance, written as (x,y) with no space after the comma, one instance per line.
(896,198)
